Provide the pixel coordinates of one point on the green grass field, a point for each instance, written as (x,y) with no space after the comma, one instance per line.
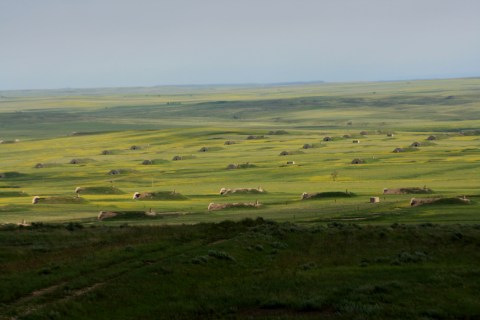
(253,269)
(332,256)
(55,128)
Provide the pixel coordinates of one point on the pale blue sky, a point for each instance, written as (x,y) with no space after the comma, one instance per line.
(98,43)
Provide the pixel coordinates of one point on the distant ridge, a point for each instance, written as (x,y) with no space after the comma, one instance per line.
(182,87)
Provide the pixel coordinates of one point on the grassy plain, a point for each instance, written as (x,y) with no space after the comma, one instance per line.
(335,257)
(165,123)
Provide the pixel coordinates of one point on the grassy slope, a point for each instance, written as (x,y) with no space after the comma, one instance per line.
(306,270)
(251,269)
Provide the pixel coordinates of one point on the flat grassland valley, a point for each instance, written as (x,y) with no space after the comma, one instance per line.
(288,201)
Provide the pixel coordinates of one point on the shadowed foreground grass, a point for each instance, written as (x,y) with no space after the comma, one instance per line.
(240,270)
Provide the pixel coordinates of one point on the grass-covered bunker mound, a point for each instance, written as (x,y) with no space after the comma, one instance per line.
(58,200)
(329,194)
(413,190)
(439,201)
(225,191)
(98,190)
(159,195)
(112,215)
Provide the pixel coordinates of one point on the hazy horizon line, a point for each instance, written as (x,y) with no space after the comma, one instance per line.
(239,84)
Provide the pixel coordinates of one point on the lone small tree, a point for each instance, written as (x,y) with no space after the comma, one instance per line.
(334,175)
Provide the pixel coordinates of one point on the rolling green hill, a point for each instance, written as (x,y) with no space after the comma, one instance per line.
(81,125)
(110,202)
